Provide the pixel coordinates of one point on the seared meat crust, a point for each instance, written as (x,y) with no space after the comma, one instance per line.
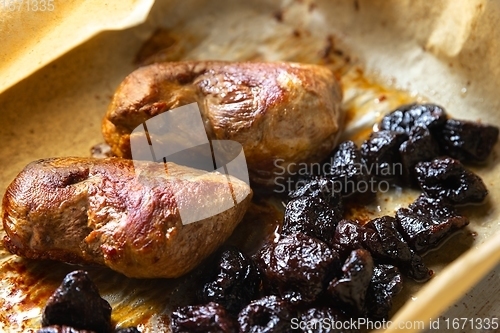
(276,111)
(105,211)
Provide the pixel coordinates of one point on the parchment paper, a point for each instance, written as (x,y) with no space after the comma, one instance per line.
(35,32)
(384,52)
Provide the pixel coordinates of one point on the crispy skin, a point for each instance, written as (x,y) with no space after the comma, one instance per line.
(85,210)
(277,111)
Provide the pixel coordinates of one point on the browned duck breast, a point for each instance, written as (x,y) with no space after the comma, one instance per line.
(281,113)
(110,212)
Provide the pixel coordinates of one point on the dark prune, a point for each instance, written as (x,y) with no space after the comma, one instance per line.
(385,243)
(447,179)
(128,330)
(263,257)
(348,172)
(468,141)
(350,289)
(318,186)
(61,329)
(417,269)
(393,244)
(381,154)
(209,318)
(77,303)
(420,147)
(266,315)
(393,249)
(350,235)
(297,267)
(405,118)
(324,320)
(236,281)
(312,216)
(386,283)
(427,221)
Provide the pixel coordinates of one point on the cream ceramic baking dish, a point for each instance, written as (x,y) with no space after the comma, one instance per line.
(58,77)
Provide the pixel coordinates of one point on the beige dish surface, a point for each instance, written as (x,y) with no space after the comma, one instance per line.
(447,52)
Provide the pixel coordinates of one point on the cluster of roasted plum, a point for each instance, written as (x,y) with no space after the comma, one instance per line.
(77,307)
(327,267)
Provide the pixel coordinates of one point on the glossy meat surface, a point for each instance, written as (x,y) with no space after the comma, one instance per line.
(86,210)
(280,112)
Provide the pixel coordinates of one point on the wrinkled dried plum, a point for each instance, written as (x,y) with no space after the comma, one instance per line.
(77,303)
(405,118)
(61,329)
(393,249)
(297,267)
(386,283)
(350,289)
(312,216)
(381,154)
(324,320)
(417,269)
(393,244)
(348,172)
(420,147)
(209,318)
(236,281)
(266,315)
(468,141)
(350,235)
(447,179)
(317,186)
(427,221)
(385,243)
